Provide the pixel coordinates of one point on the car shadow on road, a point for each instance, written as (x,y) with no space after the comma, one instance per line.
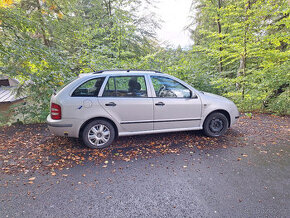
(169,140)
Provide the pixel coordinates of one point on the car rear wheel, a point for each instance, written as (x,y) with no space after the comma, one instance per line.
(216,124)
(98,134)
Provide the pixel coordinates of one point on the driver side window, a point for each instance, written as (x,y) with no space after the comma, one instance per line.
(169,88)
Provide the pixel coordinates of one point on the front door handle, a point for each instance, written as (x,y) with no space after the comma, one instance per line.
(112,104)
(160,104)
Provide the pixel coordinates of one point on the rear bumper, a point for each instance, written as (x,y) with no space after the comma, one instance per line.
(62,127)
(59,125)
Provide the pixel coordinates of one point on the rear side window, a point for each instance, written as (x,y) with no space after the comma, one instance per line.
(89,89)
(126,86)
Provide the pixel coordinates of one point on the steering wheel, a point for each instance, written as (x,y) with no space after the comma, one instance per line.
(163,92)
(162,88)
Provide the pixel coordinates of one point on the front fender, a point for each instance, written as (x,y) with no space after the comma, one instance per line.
(211,104)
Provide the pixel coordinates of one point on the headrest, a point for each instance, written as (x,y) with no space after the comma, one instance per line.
(134,85)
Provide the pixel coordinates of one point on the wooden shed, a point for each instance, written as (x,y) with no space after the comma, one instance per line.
(8,95)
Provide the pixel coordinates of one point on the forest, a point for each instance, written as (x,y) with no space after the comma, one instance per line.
(240,48)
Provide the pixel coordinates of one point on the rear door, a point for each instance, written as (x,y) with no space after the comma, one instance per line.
(174,106)
(125,98)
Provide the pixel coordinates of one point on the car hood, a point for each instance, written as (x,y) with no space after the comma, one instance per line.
(216,97)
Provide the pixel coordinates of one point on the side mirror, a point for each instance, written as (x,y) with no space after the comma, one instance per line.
(193,95)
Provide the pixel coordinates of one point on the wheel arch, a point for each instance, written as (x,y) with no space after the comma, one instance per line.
(98,118)
(224,112)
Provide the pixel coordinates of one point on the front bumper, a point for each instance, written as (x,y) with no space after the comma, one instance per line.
(235,118)
(234,114)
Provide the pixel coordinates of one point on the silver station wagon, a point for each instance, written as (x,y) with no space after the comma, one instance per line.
(100,106)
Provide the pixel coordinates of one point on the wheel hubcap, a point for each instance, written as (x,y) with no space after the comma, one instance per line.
(216,125)
(99,135)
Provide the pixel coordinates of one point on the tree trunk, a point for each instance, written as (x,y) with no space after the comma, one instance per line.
(242,68)
(220,39)
(241,72)
(45,40)
(108,5)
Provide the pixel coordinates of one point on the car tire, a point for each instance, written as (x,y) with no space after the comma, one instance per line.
(98,134)
(216,124)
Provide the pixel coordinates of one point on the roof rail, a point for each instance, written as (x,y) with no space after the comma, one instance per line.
(128,70)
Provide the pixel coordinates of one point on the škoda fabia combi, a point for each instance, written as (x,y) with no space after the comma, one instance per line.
(100,106)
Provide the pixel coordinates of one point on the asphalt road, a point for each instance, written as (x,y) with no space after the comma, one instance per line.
(242,181)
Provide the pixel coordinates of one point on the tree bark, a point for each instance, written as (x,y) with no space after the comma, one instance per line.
(108,7)
(45,40)
(242,68)
(220,38)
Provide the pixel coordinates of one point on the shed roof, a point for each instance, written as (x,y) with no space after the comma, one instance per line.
(8,94)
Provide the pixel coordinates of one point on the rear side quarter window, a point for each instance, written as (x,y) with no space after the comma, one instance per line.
(89,88)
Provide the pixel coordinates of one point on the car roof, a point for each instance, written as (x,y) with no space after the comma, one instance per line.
(120,72)
(125,71)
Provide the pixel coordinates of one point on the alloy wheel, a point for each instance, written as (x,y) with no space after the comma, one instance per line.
(99,135)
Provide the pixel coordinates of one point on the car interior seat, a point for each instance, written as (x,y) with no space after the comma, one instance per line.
(134,86)
(98,86)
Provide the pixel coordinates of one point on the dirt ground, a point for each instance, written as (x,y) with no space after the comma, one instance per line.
(30,148)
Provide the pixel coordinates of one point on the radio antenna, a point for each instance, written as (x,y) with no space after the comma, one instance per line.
(92,69)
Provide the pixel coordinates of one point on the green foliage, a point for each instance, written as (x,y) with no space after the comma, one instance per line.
(250,115)
(241,48)
(248,43)
(280,105)
(46,43)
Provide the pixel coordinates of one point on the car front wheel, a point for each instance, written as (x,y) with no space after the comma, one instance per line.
(98,134)
(216,124)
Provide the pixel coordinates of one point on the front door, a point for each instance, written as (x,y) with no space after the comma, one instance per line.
(125,98)
(174,107)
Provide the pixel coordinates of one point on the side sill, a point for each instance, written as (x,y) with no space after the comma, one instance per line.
(158,131)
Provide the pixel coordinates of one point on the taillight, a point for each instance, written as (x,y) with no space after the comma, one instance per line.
(55,111)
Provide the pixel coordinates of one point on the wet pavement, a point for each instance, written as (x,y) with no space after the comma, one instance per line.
(243,181)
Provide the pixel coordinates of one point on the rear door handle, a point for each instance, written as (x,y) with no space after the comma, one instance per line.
(112,104)
(160,104)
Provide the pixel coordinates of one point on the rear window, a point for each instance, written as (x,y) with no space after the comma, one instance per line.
(89,88)
(57,90)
